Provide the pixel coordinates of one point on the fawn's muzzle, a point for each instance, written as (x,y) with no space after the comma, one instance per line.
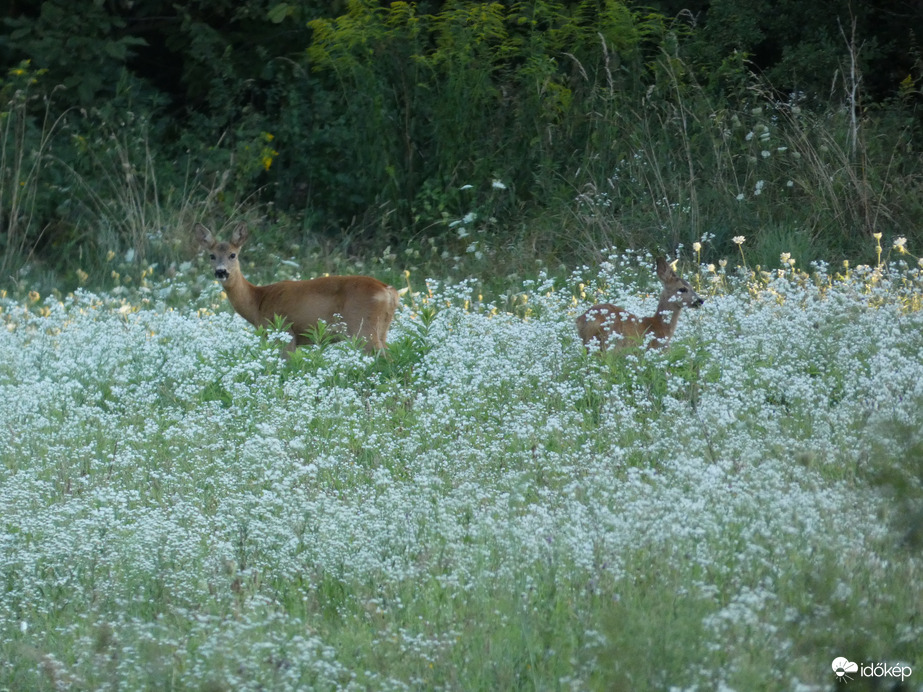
(221,274)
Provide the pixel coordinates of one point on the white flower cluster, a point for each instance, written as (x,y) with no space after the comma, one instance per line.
(183,508)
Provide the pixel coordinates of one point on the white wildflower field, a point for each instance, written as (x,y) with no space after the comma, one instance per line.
(491,507)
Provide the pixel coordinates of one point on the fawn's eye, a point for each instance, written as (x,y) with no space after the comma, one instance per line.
(213,257)
(682,290)
(233,255)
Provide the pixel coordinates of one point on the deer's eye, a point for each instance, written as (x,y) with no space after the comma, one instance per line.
(233,255)
(213,257)
(682,290)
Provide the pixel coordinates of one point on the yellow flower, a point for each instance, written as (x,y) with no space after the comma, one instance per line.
(268,155)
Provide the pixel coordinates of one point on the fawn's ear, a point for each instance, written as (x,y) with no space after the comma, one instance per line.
(665,270)
(240,235)
(204,236)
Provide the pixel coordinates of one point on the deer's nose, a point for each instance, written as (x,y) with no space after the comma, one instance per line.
(221,274)
(698,303)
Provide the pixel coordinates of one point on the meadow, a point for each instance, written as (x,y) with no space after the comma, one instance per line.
(490,508)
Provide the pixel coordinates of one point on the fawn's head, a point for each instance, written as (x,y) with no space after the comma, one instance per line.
(677,292)
(223,256)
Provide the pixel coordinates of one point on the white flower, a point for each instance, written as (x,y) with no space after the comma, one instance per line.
(740,196)
(900,244)
(498,185)
(697,247)
(765,154)
(738,239)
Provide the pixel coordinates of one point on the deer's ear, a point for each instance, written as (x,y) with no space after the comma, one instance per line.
(204,236)
(661,267)
(666,271)
(240,235)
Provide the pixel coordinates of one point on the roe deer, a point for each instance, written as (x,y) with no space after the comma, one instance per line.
(365,306)
(603,321)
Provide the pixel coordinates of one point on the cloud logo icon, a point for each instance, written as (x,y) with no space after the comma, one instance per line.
(841,666)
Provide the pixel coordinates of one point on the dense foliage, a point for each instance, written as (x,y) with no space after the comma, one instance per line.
(545,128)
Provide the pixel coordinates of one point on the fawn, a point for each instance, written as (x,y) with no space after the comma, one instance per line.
(606,321)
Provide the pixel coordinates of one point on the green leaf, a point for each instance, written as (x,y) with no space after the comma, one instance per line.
(280,12)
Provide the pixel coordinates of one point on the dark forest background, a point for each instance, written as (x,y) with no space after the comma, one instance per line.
(492,132)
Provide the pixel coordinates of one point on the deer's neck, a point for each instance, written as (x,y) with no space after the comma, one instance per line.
(666,317)
(243,297)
